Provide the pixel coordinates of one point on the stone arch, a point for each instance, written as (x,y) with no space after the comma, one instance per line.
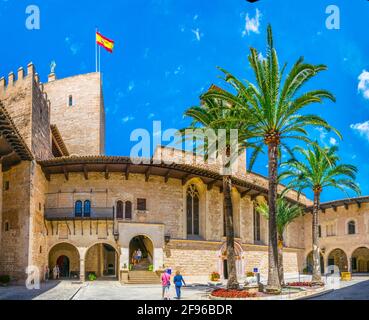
(360,260)
(309,262)
(102,259)
(146,245)
(339,258)
(66,256)
(222,265)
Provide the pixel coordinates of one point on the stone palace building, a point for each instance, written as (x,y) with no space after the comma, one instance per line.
(63,202)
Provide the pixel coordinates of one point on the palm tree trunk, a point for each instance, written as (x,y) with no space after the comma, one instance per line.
(280,260)
(317,276)
(228,213)
(273,285)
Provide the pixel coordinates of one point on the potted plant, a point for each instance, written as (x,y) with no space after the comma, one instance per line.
(92,277)
(4,280)
(214,276)
(151,267)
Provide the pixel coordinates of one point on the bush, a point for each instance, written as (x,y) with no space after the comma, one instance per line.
(151,267)
(92,277)
(232,293)
(250,274)
(4,279)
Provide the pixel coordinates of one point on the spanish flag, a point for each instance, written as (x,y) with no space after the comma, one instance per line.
(104,42)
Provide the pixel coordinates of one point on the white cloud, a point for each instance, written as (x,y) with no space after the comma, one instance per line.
(131,86)
(195,17)
(252,24)
(333,141)
(363,86)
(127,119)
(150,116)
(261,57)
(197,33)
(362,129)
(74,47)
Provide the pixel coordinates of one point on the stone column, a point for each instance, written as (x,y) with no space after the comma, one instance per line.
(158,258)
(124,258)
(82,272)
(82,269)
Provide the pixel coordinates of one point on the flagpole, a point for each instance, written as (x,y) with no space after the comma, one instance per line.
(96,49)
(99,59)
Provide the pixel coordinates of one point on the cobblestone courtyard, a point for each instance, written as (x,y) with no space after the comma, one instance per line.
(358,288)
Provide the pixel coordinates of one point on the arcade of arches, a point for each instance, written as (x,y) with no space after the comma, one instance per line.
(101,260)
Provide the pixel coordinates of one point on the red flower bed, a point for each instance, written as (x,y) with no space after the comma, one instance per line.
(301,284)
(232,293)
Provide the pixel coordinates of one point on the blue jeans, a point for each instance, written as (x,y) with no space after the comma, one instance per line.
(178,292)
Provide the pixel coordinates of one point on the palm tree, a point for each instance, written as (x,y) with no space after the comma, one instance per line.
(319,170)
(272,108)
(213,114)
(286,213)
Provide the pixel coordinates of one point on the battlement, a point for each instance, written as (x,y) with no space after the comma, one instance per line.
(18,80)
(25,98)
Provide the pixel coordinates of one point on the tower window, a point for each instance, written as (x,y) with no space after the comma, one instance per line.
(70,101)
(6,226)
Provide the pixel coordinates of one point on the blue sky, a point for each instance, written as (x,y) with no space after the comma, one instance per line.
(167,52)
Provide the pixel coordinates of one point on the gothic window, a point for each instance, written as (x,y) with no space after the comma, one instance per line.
(256,226)
(78,208)
(128,214)
(119,210)
(351,227)
(87,208)
(193,208)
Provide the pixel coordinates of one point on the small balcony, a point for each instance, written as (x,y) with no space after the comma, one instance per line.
(57,214)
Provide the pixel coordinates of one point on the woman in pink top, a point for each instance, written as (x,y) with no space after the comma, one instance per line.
(165,283)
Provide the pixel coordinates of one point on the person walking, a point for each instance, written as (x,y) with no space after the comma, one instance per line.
(165,284)
(47,273)
(139,255)
(178,281)
(56,272)
(134,257)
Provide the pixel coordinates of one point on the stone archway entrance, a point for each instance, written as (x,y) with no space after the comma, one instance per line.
(141,246)
(101,260)
(223,266)
(309,263)
(63,263)
(338,257)
(66,257)
(360,260)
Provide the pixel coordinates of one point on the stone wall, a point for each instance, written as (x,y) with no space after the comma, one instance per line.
(14,251)
(81,125)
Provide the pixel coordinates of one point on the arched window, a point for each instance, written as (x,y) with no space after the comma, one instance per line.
(256,226)
(78,208)
(70,101)
(87,208)
(351,227)
(128,213)
(193,208)
(119,210)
